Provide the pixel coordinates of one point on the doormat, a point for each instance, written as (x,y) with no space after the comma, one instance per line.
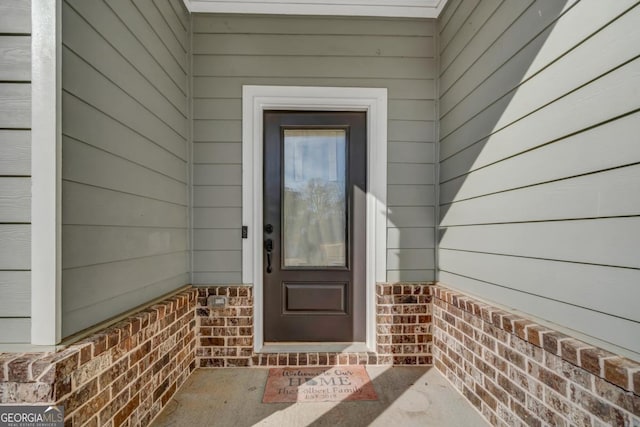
(326,384)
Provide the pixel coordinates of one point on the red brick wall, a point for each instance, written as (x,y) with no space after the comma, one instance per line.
(126,373)
(516,372)
(225,335)
(122,375)
(512,370)
(403,324)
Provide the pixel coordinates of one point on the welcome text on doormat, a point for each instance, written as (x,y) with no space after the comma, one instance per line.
(327,384)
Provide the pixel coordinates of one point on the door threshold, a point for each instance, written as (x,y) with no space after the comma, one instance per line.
(314,347)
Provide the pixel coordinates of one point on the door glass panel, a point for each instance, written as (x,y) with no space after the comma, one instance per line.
(314,198)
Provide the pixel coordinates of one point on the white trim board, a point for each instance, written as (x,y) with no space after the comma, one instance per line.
(379,8)
(46,178)
(256,99)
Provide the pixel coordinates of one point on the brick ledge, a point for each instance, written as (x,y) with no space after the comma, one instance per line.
(125,373)
(623,372)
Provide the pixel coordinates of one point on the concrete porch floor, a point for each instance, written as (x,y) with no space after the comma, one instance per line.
(407,396)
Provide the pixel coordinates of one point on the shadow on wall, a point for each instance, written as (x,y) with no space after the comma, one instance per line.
(539,162)
(476,119)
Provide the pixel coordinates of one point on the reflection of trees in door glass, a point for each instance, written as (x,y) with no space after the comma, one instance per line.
(314,219)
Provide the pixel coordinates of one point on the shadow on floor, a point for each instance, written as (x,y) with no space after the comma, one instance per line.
(407,396)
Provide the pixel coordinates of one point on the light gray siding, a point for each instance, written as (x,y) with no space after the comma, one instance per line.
(539,176)
(231,51)
(125,155)
(15,171)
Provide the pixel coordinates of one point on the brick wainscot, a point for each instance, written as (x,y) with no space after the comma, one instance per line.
(225,334)
(519,373)
(514,371)
(122,375)
(125,373)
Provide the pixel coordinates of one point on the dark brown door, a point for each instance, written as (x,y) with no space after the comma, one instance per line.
(315,226)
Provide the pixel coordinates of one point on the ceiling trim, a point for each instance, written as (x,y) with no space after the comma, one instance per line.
(378,8)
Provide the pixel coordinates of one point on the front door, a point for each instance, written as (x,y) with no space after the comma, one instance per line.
(314,226)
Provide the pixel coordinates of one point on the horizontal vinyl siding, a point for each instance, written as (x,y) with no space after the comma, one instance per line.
(539,162)
(125,156)
(234,50)
(15,171)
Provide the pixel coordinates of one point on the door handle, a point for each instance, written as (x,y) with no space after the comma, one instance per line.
(268,246)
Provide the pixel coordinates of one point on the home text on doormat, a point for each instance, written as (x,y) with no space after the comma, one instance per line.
(327,384)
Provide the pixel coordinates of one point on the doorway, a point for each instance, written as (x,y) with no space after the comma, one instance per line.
(314,236)
(256,100)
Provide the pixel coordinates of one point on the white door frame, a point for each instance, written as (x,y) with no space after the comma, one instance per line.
(256,99)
